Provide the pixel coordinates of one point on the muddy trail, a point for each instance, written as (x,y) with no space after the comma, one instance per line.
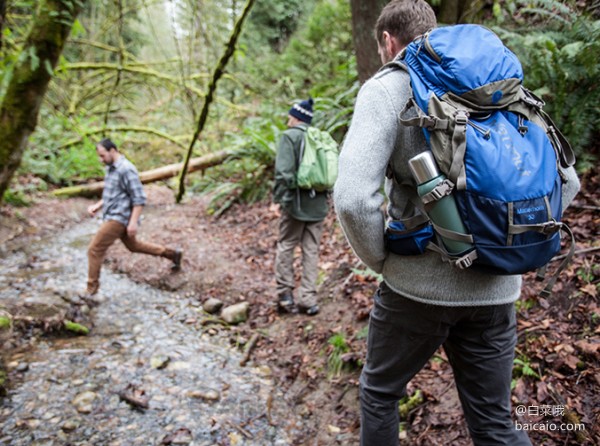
(140,377)
(158,369)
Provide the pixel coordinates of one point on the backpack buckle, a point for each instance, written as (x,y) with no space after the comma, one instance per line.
(463,263)
(427,122)
(443,189)
(461,117)
(466,261)
(550,227)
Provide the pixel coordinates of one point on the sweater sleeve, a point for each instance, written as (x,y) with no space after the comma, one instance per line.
(365,154)
(570,187)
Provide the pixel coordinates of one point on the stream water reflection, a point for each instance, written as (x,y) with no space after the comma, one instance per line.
(198,394)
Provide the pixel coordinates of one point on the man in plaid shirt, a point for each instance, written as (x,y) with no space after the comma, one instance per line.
(122,201)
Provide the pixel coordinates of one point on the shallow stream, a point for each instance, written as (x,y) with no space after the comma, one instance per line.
(69,389)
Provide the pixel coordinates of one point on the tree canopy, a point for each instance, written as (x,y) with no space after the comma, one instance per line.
(140,71)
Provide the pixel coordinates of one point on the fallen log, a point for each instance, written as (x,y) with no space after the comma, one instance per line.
(149,176)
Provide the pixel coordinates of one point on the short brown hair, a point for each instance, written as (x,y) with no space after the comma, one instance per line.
(405,20)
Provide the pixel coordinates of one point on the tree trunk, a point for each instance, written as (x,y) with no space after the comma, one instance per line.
(29,81)
(149,176)
(2,16)
(212,87)
(452,12)
(364,17)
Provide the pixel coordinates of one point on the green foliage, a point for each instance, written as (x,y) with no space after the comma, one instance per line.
(5,323)
(48,161)
(522,367)
(525,304)
(76,328)
(247,176)
(561,62)
(339,346)
(272,22)
(363,333)
(368,273)
(588,273)
(155,62)
(409,403)
(15,198)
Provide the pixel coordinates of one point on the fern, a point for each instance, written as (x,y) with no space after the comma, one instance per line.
(561,62)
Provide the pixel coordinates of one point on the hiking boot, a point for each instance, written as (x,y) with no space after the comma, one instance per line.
(91,299)
(286,303)
(310,311)
(177,259)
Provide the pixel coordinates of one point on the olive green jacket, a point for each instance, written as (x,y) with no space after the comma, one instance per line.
(302,204)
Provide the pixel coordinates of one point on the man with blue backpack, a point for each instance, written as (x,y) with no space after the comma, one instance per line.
(303,210)
(458,235)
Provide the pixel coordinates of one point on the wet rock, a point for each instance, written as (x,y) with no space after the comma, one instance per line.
(12,365)
(68,296)
(43,442)
(235,314)
(159,361)
(83,401)
(71,424)
(135,397)
(333,429)
(265,370)
(212,305)
(180,436)
(206,395)
(180,365)
(30,424)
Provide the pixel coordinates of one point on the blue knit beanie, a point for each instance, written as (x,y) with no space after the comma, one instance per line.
(303,111)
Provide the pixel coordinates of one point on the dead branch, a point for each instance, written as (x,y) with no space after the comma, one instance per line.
(248,349)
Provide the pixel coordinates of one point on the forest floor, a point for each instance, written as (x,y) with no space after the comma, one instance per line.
(316,360)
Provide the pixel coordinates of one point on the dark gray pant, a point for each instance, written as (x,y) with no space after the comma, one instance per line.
(479,343)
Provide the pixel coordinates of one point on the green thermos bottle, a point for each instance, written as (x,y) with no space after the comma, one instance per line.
(444,212)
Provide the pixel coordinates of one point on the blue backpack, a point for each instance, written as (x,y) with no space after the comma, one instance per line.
(501,153)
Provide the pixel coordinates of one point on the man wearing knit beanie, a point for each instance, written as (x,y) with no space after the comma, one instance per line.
(302,215)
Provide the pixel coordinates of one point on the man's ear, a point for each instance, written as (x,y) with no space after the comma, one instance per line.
(392,45)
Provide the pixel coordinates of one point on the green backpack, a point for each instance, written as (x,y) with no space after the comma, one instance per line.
(318,167)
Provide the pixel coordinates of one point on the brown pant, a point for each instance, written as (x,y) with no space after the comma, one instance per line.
(107,234)
(292,233)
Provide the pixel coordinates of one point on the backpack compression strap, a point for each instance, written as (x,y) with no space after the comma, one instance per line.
(547,291)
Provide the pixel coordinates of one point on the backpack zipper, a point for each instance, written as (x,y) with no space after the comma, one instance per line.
(485,132)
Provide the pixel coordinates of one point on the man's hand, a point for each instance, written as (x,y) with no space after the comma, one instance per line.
(275,209)
(132,228)
(93,208)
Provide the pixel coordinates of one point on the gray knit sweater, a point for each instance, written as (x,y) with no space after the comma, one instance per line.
(374,139)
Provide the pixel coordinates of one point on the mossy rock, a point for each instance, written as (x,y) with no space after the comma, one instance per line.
(76,328)
(5,322)
(3,379)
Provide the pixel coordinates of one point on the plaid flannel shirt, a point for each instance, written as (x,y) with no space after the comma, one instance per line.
(122,190)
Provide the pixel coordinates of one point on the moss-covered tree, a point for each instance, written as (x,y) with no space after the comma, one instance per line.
(2,15)
(29,79)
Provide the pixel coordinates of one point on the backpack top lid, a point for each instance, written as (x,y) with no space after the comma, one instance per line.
(459,59)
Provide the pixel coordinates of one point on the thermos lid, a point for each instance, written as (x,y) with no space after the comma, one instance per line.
(423,167)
